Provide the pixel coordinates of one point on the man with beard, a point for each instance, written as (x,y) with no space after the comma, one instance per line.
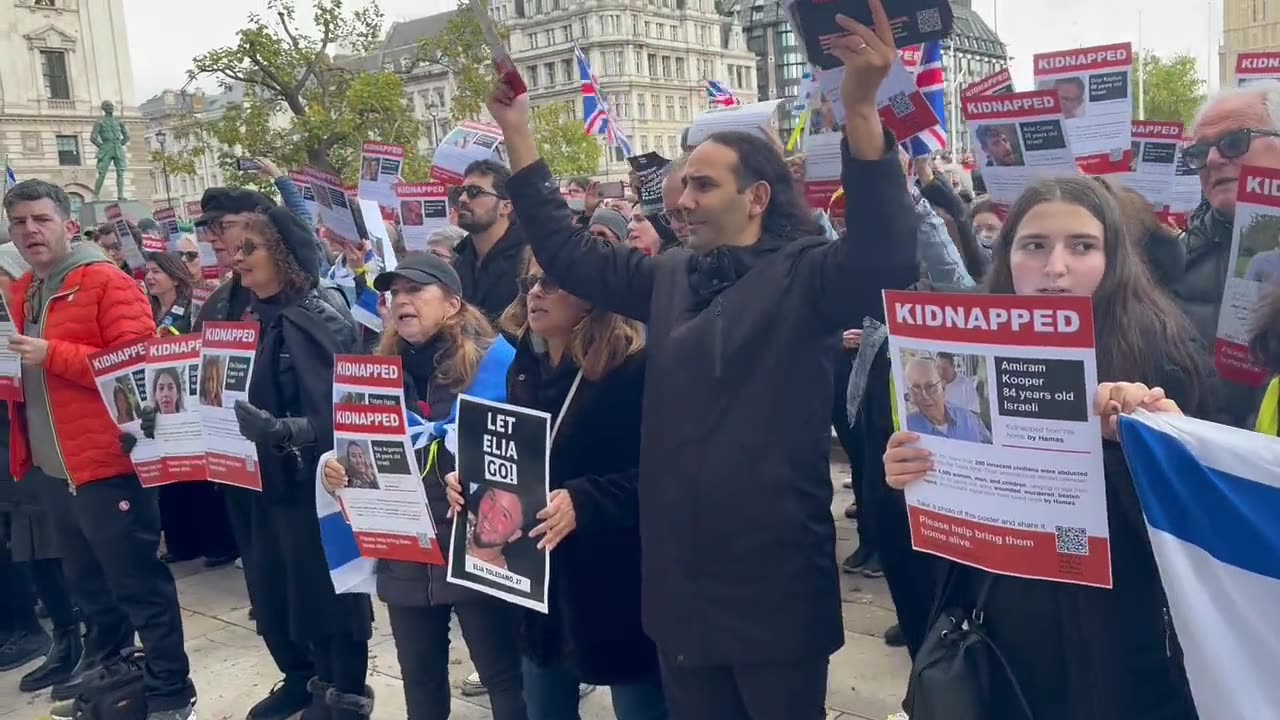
(488,259)
(499,521)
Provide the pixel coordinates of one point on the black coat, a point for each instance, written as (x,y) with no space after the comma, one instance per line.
(735,481)
(490,283)
(594,620)
(1083,652)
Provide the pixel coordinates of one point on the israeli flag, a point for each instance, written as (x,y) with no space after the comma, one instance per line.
(1211,497)
(349,572)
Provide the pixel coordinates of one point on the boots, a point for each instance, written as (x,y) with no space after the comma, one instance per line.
(319,708)
(58,664)
(23,646)
(350,707)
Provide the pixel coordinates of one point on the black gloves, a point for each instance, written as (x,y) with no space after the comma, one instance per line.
(127,442)
(260,426)
(148,417)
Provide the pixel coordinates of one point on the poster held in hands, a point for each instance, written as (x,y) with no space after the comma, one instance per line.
(651,168)
(128,246)
(227,351)
(333,204)
(465,144)
(308,193)
(1253,274)
(1017,138)
(997,83)
(1094,86)
(167,219)
(173,365)
(384,500)
(914,22)
(10,363)
(1155,160)
(759,118)
(1000,388)
(504,463)
(1256,67)
(424,209)
(380,166)
(121,376)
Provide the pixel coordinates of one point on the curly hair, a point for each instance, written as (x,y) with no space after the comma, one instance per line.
(294,281)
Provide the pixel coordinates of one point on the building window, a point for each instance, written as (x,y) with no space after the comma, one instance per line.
(639,58)
(662,31)
(550,37)
(550,70)
(624,105)
(583,28)
(53,65)
(635,25)
(653,65)
(666,66)
(680,68)
(641,110)
(566,70)
(533,41)
(531,75)
(684,108)
(675,145)
(618,156)
(648,29)
(671,108)
(566,33)
(68,149)
(77,201)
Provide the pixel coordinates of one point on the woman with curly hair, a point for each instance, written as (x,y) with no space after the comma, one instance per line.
(319,639)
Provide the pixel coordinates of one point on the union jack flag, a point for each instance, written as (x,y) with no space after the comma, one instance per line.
(931,81)
(597,118)
(720,95)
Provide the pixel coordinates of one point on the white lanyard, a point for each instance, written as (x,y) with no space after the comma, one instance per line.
(565,407)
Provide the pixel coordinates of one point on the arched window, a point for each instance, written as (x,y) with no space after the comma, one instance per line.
(77,200)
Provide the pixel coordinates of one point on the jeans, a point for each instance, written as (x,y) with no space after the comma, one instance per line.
(551,693)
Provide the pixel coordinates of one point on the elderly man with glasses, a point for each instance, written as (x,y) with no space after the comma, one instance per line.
(1236,127)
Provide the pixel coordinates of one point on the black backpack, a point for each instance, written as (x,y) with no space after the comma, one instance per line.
(119,693)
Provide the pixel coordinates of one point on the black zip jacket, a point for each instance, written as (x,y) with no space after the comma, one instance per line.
(735,484)
(490,283)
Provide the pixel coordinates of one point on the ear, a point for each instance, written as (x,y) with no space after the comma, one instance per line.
(504,207)
(758,198)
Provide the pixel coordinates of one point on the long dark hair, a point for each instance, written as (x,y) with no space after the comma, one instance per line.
(787,216)
(170,264)
(1265,343)
(1141,334)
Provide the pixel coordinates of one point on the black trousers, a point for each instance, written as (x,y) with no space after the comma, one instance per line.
(849,434)
(17,597)
(342,662)
(195,521)
(491,629)
(107,533)
(775,691)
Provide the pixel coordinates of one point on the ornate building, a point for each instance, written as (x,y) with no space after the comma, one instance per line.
(166,115)
(1247,25)
(63,58)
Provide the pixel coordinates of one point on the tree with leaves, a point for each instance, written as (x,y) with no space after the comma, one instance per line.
(1172,89)
(460,49)
(331,107)
(563,144)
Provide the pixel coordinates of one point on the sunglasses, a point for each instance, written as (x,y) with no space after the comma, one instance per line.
(526,284)
(248,247)
(188,256)
(472,192)
(1232,145)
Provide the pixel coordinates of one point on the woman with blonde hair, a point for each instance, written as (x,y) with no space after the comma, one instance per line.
(448,348)
(585,367)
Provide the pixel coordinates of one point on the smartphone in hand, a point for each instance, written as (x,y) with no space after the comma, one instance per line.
(249,165)
(610,190)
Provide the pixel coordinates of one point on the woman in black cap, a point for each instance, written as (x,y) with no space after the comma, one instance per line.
(289,415)
(448,348)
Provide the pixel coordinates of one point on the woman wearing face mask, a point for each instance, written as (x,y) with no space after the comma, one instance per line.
(319,639)
(1074,650)
(448,348)
(169,285)
(584,367)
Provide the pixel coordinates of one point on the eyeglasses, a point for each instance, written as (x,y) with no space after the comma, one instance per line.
(474,191)
(248,247)
(926,390)
(222,225)
(188,256)
(1232,145)
(526,284)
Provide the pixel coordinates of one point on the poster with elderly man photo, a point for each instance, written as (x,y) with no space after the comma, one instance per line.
(504,468)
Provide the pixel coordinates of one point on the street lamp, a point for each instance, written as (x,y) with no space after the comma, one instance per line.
(433,109)
(161,138)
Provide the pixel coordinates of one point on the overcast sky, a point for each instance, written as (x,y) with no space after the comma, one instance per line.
(164,35)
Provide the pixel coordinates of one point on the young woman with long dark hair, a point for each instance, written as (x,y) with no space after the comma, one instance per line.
(169,284)
(1075,651)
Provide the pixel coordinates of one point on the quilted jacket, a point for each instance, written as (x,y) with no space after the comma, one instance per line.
(97,307)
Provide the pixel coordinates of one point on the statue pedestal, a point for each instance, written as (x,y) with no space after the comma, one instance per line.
(94,212)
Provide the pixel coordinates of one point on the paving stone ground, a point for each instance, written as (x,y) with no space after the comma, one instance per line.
(232,670)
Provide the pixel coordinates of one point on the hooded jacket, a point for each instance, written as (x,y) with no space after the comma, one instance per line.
(86,305)
(735,478)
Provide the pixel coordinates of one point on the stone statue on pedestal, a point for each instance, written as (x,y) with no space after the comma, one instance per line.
(110,137)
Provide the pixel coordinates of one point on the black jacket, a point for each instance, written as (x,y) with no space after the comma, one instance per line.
(594,620)
(1199,293)
(490,284)
(735,490)
(229,301)
(416,584)
(177,317)
(1076,650)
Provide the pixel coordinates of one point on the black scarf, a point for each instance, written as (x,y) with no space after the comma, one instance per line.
(716,271)
(419,372)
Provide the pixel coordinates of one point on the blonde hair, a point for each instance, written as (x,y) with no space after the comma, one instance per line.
(599,343)
(467,336)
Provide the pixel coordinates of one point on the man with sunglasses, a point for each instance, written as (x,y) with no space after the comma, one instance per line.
(1234,128)
(488,258)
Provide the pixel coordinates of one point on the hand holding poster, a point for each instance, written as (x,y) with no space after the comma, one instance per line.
(121,375)
(167,219)
(384,500)
(333,206)
(173,365)
(1093,85)
(914,22)
(999,389)
(424,208)
(227,351)
(380,170)
(308,193)
(1253,273)
(1184,191)
(1018,137)
(651,169)
(903,109)
(504,465)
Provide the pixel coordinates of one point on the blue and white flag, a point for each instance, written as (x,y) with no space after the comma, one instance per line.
(349,572)
(1211,497)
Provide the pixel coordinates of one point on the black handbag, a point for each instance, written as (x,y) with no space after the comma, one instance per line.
(957,666)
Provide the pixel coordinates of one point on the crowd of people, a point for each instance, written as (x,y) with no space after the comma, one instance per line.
(687,359)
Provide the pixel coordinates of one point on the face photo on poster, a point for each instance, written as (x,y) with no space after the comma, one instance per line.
(213,370)
(169,389)
(356,457)
(121,397)
(999,145)
(1072,94)
(1259,258)
(370,169)
(496,547)
(411,212)
(946,395)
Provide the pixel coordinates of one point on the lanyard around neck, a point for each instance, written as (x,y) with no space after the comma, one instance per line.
(564,408)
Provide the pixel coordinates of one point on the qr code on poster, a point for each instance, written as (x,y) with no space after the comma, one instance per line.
(901,104)
(424,541)
(1071,540)
(929,20)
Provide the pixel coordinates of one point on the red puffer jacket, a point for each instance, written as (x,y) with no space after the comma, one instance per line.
(97,307)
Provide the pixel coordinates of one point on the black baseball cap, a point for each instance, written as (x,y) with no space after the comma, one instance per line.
(220,201)
(424,269)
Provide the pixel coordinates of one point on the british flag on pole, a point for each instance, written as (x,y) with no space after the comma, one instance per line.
(931,81)
(720,95)
(597,118)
